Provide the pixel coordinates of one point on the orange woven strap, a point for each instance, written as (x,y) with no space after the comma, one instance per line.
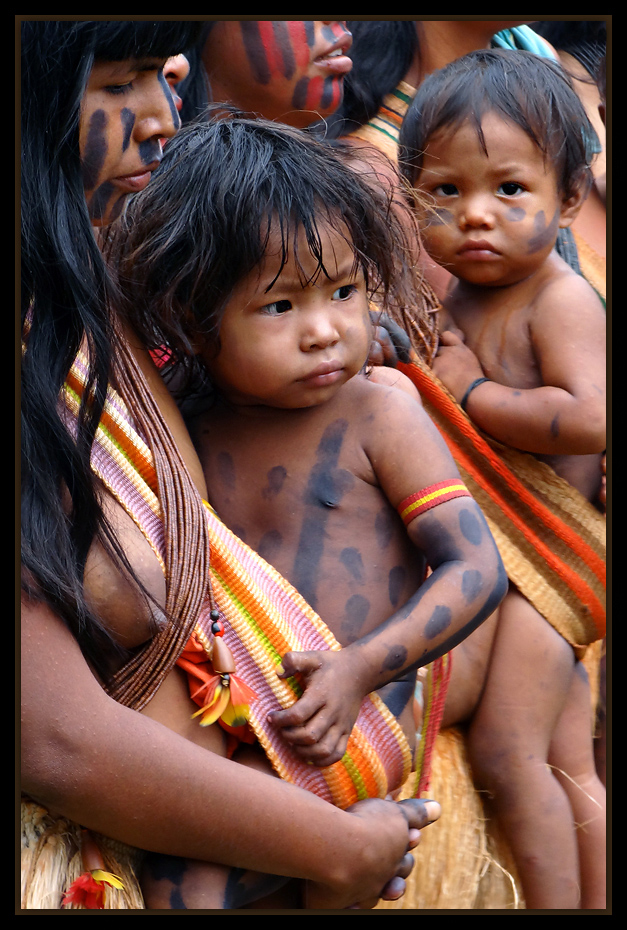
(430,497)
(551,539)
(438,677)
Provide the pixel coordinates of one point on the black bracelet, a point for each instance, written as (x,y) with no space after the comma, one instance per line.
(474,384)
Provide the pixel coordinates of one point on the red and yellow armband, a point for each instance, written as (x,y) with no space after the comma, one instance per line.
(430,497)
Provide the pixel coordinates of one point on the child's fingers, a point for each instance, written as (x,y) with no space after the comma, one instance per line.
(298,663)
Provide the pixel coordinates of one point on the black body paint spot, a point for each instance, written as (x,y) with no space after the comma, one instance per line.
(396,658)
(544,234)
(276,476)
(355,614)
(128,121)
(396,583)
(516,214)
(384,527)
(352,561)
(244,887)
(439,621)
(174,113)
(95,149)
(397,695)
(324,490)
(555,428)
(470,527)
(226,469)
(161,866)
(472,582)
(270,545)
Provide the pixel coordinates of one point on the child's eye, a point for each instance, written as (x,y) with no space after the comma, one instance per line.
(509,188)
(277,308)
(447,190)
(344,292)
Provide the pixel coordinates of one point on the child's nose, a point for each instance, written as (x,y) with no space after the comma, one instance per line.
(477,211)
(319,331)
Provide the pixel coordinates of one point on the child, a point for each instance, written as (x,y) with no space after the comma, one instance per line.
(265,262)
(496,142)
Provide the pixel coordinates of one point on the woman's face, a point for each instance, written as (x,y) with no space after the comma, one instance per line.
(288,71)
(127,109)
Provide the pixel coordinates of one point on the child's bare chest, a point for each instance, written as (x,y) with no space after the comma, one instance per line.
(498,332)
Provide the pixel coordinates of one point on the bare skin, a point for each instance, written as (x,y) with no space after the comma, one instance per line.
(302,471)
(520,317)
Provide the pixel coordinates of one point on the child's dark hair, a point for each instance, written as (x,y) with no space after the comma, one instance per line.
(224,187)
(532,92)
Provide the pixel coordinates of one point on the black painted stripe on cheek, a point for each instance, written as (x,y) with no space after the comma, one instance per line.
(255,52)
(310,32)
(95,149)
(174,113)
(284,45)
(299,96)
(327,93)
(100,201)
(128,121)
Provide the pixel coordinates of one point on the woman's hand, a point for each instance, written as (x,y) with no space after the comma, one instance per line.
(393,829)
(390,343)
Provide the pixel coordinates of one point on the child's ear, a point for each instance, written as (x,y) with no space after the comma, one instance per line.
(573,204)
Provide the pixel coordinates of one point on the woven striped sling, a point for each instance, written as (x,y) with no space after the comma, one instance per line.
(265,617)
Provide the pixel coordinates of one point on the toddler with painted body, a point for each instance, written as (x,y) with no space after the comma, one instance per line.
(262,249)
(495,145)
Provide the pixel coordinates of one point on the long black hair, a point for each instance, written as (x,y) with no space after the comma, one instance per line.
(382,53)
(224,187)
(65,303)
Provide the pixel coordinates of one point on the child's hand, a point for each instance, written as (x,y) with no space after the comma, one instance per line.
(319,724)
(455,364)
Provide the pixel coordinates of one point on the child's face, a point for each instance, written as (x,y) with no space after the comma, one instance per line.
(126,110)
(496,217)
(295,345)
(289,71)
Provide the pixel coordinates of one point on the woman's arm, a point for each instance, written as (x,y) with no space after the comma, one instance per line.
(122,774)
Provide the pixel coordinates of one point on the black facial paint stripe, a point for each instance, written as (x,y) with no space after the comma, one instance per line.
(100,201)
(257,59)
(299,97)
(284,45)
(310,32)
(544,234)
(149,151)
(327,93)
(174,113)
(128,121)
(95,151)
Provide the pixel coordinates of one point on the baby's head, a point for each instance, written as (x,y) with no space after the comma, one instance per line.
(531,92)
(228,191)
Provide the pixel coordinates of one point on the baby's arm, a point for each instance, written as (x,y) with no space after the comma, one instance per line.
(467,583)
(566,414)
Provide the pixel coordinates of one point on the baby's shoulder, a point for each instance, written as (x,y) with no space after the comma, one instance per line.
(392,378)
(563,291)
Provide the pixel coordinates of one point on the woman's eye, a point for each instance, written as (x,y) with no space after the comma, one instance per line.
(278,307)
(509,188)
(119,88)
(344,292)
(447,190)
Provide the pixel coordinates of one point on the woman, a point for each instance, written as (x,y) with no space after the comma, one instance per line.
(101,628)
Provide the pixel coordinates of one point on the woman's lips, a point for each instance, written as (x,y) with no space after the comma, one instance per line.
(335,60)
(138,181)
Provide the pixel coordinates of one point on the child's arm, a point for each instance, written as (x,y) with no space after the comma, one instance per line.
(466,585)
(566,415)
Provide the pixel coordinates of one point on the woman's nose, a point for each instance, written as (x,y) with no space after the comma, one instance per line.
(160,116)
